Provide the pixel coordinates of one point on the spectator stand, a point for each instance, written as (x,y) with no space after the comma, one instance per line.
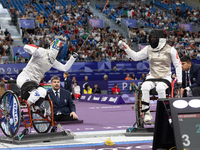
(44,10)
(188,13)
(60,33)
(142,13)
(171,23)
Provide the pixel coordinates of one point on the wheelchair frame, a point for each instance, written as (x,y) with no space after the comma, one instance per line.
(138,106)
(10,111)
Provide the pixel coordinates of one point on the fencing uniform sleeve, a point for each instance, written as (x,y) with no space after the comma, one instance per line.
(33,50)
(177,64)
(136,56)
(67,66)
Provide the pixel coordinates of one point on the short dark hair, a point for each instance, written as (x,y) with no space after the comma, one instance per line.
(55,78)
(66,73)
(185,58)
(86,86)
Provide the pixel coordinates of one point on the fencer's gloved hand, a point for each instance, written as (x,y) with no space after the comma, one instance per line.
(122,45)
(75,55)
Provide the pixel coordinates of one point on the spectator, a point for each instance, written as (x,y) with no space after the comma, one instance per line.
(114,68)
(97,38)
(29,57)
(25,37)
(1,61)
(73,79)
(2,88)
(7,62)
(85,24)
(133,87)
(86,78)
(105,77)
(63,106)
(133,77)
(143,77)
(3,80)
(87,89)
(118,19)
(6,32)
(77,90)
(67,82)
(96,89)
(2,36)
(21,59)
(85,35)
(115,89)
(128,77)
(1,50)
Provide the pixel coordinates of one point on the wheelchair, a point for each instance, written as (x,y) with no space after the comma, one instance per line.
(15,111)
(172,91)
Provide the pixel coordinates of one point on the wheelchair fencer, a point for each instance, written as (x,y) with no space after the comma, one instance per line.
(14,110)
(28,80)
(173,90)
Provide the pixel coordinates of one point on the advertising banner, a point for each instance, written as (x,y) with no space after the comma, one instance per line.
(130,22)
(102,98)
(27,23)
(20,51)
(187,27)
(96,23)
(123,85)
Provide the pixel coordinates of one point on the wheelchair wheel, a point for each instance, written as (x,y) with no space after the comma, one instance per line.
(10,114)
(42,126)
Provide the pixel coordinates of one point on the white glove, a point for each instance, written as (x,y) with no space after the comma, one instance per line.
(122,45)
(75,55)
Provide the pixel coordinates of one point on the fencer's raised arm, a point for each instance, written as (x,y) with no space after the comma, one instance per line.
(67,66)
(136,56)
(33,50)
(177,64)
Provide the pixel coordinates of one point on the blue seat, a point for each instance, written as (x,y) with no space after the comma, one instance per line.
(146,24)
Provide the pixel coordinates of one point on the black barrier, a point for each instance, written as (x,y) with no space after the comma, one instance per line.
(177,124)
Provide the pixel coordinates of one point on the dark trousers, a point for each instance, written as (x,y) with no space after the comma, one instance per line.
(196,91)
(63,118)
